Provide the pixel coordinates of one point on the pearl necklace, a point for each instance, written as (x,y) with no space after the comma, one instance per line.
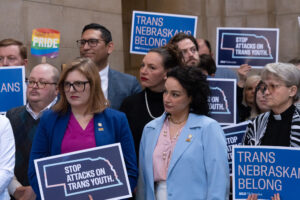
(146,100)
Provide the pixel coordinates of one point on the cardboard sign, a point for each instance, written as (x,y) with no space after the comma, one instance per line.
(222,101)
(265,171)
(234,136)
(151,30)
(254,46)
(12,87)
(99,172)
(45,42)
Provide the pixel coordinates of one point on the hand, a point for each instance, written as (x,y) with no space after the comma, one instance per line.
(252,197)
(242,73)
(276,197)
(90,197)
(24,193)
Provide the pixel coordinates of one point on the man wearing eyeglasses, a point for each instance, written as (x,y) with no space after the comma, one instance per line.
(96,43)
(41,95)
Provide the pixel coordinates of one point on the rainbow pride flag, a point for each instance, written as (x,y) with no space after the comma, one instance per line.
(45,42)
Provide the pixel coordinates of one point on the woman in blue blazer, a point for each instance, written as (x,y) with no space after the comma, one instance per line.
(81,120)
(183,153)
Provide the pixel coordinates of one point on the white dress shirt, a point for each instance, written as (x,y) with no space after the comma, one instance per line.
(104,80)
(7,156)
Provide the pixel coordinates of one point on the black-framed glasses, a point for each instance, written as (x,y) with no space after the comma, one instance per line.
(270,87)
(78,86)
(91,42)
(39,84)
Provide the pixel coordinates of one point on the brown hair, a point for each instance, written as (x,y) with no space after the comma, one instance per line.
(97,102)
(9,42)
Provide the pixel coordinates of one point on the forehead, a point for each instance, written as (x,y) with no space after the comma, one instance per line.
(12,50)
(185,44)
(91,34)
(41,72)
(270,78)
(75,75)
(173,84)
(153,57)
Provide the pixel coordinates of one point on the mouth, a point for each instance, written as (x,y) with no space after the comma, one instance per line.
(144,79)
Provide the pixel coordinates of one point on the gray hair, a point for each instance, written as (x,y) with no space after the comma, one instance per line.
(288,73)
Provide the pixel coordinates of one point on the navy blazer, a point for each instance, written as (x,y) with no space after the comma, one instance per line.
(52,128)
(120,86)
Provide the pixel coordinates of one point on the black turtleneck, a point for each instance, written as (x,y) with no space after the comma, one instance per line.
(136,111)
(279,128)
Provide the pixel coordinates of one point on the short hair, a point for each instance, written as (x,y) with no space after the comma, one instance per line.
(97,102)
(208,64)
(181,36)
(170,54)
(9,41)
(196,86)
(207,43)
(55,71)
(295,61)
(105,33)
(288,73)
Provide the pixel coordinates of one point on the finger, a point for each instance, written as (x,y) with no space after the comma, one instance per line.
(90,197)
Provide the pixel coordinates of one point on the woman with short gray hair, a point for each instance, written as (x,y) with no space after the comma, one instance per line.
(281,90)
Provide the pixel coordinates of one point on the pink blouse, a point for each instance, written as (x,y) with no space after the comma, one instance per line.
(76,138)
(163,152)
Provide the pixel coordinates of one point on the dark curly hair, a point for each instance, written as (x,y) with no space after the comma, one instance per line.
(196,86)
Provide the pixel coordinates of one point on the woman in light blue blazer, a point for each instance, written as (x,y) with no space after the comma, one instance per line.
(183,153)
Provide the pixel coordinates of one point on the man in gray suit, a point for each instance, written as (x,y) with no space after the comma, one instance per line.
(96,43)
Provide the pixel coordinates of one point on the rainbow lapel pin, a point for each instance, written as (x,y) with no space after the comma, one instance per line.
(189,138)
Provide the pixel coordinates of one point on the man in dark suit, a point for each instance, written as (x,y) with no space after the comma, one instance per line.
(96,43)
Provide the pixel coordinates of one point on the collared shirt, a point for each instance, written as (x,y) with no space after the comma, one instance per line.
(37,116)
(104,80)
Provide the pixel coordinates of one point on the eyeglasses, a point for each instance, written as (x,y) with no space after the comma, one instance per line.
(78,86)
(91,42)
(39,84)
(271,87)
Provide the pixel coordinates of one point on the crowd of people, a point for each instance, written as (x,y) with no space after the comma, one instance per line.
(171,147)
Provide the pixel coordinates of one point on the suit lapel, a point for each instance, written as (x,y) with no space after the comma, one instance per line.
(185,139)
(111,90)
(59,131)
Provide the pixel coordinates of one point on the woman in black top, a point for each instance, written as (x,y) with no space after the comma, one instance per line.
(147,105)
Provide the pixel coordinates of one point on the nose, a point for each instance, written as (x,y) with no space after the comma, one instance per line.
(86,46)
(143,70)
(5,62)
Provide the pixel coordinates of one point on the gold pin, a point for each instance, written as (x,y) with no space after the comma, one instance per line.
(99,124)
(100,129)
(189,138)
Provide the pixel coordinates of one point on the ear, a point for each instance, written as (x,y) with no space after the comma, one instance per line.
(165,76)
(293,91)
(110,47)
(25,62)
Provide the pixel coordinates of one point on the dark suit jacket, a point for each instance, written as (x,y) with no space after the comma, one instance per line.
(120,86)
(52,128)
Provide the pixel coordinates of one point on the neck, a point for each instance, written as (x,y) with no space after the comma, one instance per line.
(79,111)
(102,65)
(282,108)
(178,119)
(37,107)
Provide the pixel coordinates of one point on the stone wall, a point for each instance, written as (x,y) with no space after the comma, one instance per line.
(20,17)
(224,13)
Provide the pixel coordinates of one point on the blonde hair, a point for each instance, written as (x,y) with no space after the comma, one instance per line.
(97,102)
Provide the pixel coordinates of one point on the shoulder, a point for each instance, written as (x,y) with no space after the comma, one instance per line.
(110,113)
(200,120)
(133,99)
(15,111)
(115,73)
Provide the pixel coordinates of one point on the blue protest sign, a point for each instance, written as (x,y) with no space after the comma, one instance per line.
(234,136)
(151,30)
(265,171)
(222,106)
(12,88)
(99,172)
(254,46)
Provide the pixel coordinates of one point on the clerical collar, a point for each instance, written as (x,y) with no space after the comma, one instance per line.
(285,114)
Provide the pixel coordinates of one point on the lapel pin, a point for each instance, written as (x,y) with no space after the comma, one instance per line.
(99,124)
(100,129)
(189,138)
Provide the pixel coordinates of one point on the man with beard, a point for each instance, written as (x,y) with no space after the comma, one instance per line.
(188,46)
(41,95)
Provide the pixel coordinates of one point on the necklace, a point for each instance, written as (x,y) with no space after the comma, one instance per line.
(146,100)
(176,122)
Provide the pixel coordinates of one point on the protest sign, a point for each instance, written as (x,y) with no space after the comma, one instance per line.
(265,171)
(254,46)
(222,106)
(234,136)
(151,30)
(99,172)
(45,42)
(12,89)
